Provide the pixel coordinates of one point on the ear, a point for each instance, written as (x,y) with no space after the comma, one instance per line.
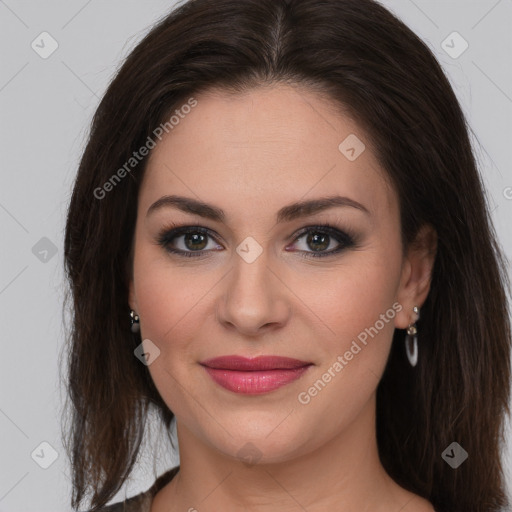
(131,296)
(416,275)
(129,271)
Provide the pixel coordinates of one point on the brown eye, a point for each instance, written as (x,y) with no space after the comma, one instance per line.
(318,239)
(195,241)
(318,242)
(187,241)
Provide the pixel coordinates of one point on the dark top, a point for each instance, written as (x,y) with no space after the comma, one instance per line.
(142,502)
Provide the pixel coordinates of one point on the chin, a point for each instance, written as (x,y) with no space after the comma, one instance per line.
(257,443)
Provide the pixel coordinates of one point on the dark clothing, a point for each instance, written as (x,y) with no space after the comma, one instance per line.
(142,502)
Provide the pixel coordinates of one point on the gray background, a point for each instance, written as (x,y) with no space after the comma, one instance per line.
(46,106)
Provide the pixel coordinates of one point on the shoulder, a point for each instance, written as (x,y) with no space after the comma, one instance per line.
(142,501)
(418,504)
(139,503)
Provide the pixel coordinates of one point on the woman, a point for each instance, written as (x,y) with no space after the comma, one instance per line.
(278,236)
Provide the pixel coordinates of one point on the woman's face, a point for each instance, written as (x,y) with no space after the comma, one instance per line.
(249,283)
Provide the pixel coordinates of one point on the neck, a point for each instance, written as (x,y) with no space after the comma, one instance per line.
(344,473)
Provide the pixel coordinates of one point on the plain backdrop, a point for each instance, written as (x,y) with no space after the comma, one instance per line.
(46,105)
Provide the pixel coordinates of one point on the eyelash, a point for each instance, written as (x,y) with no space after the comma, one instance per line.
(346,239)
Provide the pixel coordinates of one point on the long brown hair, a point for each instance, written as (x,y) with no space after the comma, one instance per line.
(370,64)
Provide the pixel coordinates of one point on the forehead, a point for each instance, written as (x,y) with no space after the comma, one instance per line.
(267,146)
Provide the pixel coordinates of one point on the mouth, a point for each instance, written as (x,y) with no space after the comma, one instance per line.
(254,376)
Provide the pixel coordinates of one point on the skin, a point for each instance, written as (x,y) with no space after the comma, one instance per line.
(251,154)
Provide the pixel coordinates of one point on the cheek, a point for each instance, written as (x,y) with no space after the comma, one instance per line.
(166,297)
(356,298)
(171,306)
(358,307)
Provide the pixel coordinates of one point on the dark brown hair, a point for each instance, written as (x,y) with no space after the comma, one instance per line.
(369,63)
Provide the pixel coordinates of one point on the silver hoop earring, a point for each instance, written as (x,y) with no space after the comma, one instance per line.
(134,320)
(411,340)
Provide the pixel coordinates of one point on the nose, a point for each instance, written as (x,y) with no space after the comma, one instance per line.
(253,300)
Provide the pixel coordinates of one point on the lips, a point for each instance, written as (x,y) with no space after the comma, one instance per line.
(254,364)
(254,376)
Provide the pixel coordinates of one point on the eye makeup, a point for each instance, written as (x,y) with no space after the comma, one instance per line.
(323,235)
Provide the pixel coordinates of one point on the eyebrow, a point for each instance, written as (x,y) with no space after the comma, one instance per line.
(285,214)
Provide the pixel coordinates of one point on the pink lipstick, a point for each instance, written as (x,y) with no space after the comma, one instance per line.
(254,376)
